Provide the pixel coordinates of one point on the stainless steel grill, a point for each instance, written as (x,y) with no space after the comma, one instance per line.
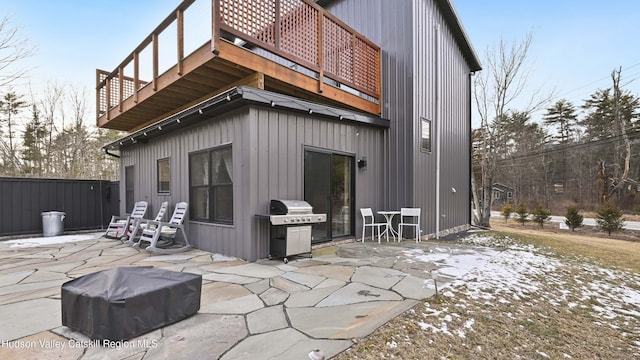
(293,212)
(290,232)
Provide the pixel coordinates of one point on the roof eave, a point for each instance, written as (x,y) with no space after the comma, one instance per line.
(243,95)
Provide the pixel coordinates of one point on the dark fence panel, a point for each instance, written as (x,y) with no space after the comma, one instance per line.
(88,204)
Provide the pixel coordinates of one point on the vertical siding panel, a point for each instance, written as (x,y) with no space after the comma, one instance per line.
(265,167)
(405,30)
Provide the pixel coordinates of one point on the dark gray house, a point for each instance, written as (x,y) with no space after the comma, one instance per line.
(345,104)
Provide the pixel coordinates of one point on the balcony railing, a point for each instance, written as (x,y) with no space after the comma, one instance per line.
(296,30)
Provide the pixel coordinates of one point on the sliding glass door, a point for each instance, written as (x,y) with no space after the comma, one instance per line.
(328,187)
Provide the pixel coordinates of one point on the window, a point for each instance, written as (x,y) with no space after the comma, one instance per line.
(128,188)
(164,176)
(211,185)
(426,135)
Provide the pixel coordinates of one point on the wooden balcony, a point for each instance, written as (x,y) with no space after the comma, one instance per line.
(293,47)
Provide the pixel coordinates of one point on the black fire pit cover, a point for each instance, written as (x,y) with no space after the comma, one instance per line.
(122,303)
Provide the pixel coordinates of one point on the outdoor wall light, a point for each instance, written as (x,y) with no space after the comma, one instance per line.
(200,111)
(272,103)
(310,111)
(362,163)
(178,120)
(453,190)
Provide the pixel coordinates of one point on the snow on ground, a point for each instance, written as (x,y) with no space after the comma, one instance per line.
(39,241)
(526,274)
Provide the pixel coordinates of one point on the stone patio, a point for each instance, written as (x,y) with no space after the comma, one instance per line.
(261,310)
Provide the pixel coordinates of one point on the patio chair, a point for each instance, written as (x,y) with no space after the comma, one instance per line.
(142,224)
(161,236)
(368,220)
(407,218)
(120,226)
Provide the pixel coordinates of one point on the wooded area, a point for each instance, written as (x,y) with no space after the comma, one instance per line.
(577,154)
(50,138)
(46,136)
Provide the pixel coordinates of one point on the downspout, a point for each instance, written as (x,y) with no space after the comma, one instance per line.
(106,151)
(437,128)
(470,128)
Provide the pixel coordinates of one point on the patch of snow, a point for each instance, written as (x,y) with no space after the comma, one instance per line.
(469,324)
(542,354)
(518,274)
(50,240)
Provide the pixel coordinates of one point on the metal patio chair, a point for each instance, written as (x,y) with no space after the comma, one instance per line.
(161,236)
(120,226)
(142,224)
(368,220)
(406,215)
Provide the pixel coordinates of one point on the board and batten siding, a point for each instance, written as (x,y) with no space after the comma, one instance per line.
(268,161)
(406,32)
(442,94)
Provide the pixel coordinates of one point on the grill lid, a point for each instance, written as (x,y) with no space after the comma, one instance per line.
(290,207)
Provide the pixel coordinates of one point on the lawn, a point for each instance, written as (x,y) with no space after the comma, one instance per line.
(545,295)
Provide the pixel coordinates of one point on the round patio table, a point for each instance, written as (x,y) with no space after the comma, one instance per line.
(388,215)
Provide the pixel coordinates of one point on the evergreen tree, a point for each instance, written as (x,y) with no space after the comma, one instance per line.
(573,218)
(507,209)
(34,134)
(562,115)
(521,210)
(609,218)
(10,105)
(541,215)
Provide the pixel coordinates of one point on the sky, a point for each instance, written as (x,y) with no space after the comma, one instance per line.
(576,43)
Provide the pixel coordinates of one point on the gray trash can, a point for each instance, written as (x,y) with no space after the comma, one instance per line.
(52,223)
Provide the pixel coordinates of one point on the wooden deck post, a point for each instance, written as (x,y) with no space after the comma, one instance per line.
(155,60)
(180,34)
(215,26)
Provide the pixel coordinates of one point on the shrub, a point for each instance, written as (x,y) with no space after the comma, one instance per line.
(573,218)
(541,215)
(522,214)
(609,218)
(507,210)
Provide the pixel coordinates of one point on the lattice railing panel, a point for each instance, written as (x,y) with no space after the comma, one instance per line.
(102,94)
(366,69)
(338,50)
(128,89)
(299,30)
(253,18)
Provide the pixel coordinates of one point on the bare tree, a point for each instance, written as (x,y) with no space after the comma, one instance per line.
(13,49)
(495,89)
(50,107)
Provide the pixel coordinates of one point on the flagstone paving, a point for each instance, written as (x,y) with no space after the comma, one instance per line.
(261,310)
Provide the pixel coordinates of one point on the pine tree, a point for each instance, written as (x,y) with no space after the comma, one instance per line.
(10,105)
(563,115)
(32,156)
(541,215)
(573,218)
(609,218)
(522,214)
(507,209)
